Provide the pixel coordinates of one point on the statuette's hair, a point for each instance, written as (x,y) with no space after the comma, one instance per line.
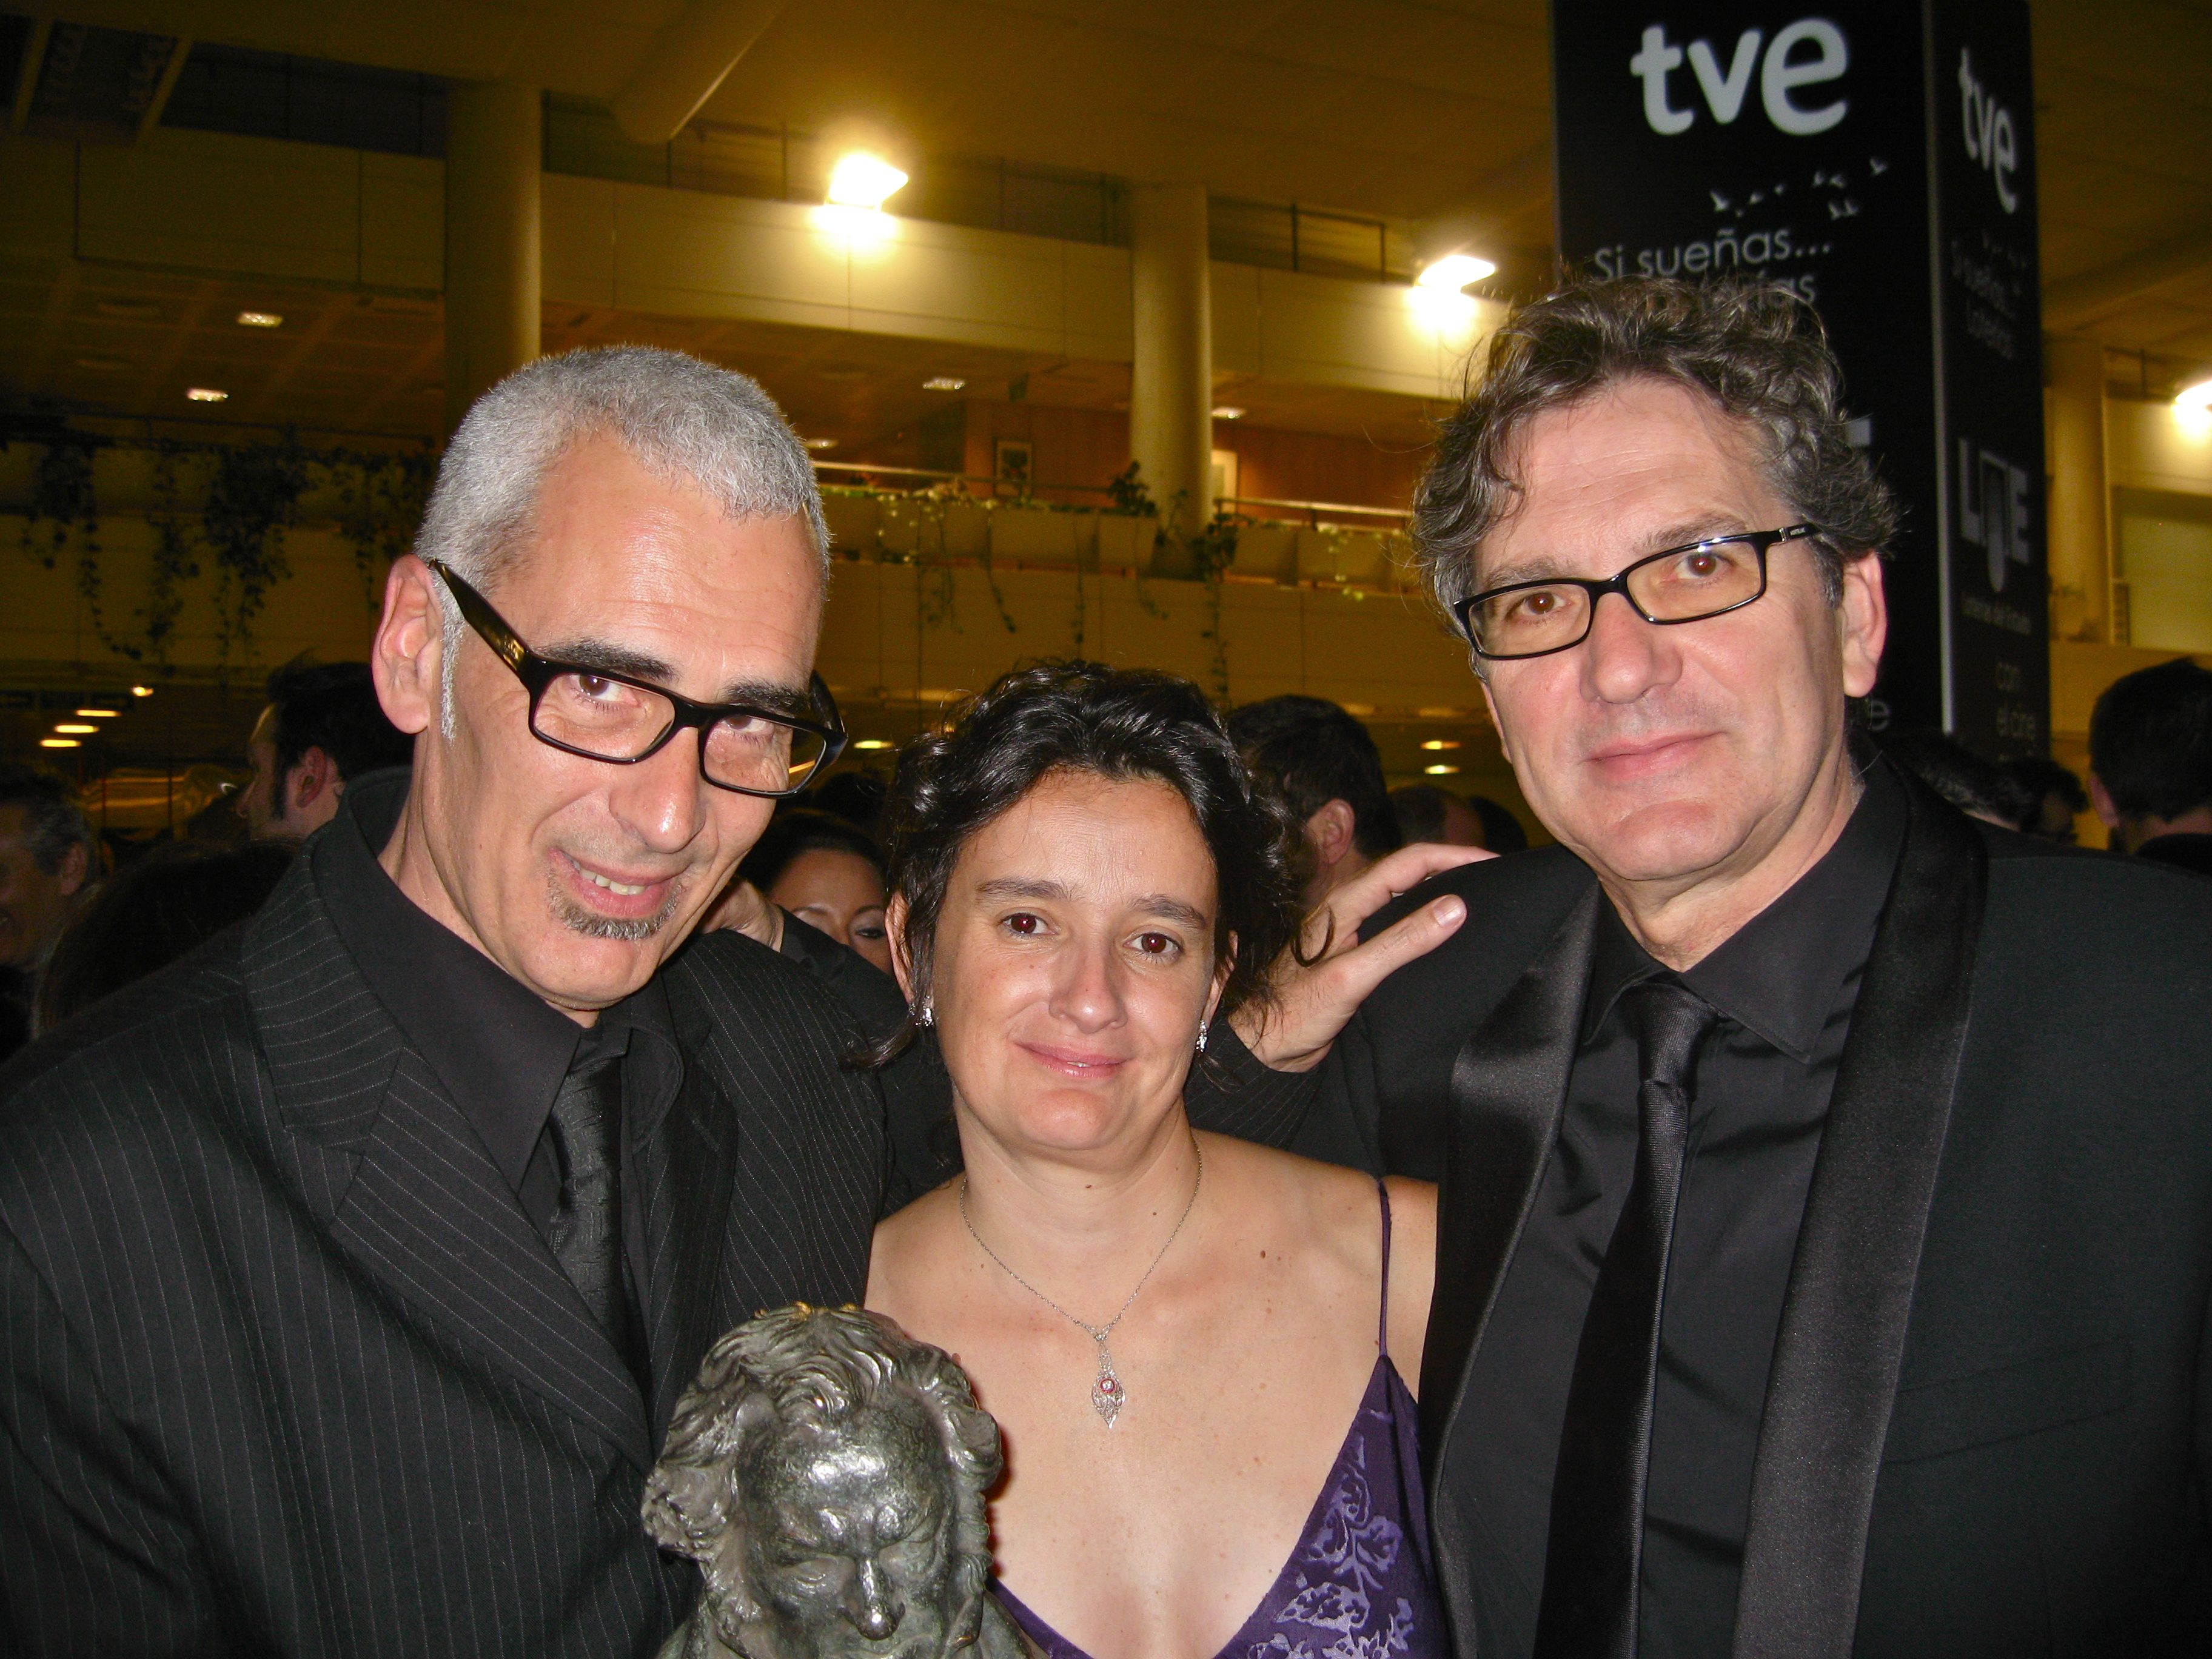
(800,1368)
(1754,349)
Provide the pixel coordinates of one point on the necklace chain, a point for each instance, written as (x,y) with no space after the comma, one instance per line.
(1108,1395)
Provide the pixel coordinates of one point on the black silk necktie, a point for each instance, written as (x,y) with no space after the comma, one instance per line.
(1595,1552)
(587,1230)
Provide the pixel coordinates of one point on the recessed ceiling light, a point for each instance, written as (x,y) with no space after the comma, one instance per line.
(872,743)
(1454,270)
(98,714)
(75,729)
(943,383)
(1440,771)
(862,180)
(142,690)
(59,742)
(1228,412)
(259,319)
(821,443)
(2196,399)
(1441,743)
(205,394)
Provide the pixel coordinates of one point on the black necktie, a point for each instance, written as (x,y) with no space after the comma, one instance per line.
(1596,1545)
(585,1233)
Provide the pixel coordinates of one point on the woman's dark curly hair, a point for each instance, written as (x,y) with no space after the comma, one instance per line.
(1083,717)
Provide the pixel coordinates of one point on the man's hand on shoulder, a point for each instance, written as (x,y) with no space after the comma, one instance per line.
(1315,998)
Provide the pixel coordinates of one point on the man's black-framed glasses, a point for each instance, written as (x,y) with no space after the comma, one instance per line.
(606,716)
(1683,584)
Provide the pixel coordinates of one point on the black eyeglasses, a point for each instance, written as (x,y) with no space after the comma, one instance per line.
(606,716)
(1682,584)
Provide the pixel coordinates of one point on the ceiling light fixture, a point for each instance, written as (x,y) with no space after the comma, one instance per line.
(821,443)
(205,394)
(863,180)
(98,714)
(1440,771)
(59,742)
(75,729)
(1455,271)
(943,383)
(1228,412)
(1441,743)
(2195,399)
(872,743)
(259,319)
(142,690)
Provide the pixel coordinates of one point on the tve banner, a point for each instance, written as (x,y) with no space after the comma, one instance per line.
(1879,157)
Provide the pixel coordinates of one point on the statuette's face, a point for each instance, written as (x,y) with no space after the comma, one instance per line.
(848,1531)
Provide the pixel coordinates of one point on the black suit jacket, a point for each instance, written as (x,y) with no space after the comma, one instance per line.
(284,1368)
(1988,1428)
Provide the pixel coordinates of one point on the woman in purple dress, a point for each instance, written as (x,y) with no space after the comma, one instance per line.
(1198,1349)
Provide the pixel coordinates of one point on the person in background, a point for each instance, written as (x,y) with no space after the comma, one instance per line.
(1329,770)
(827,873)
(856,796)
(48,857)
(1979,789)
(2150,763)
(1199,1350)
(150,913)
(2055,798)
(323,728)
(1430,812)
(1501,831)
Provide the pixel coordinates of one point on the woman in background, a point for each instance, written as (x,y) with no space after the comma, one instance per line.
(1197,1348)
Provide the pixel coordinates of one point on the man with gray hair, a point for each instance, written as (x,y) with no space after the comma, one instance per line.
(1823,1251)
(350,1270)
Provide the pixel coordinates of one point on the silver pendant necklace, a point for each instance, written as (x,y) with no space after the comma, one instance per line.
(1108,1393)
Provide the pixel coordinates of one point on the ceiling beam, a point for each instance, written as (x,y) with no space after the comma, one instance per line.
(683,67)
(151,118)
(27,77)
(2073,301)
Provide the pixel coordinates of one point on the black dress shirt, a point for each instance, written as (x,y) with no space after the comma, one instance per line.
(1784,985)
(500,1050)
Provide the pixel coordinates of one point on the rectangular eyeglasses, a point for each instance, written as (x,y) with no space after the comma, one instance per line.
(605,716)
(1683,584)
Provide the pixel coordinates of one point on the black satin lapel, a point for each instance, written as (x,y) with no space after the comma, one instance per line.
(1842,1336)
(1508,1085)
(693,1161)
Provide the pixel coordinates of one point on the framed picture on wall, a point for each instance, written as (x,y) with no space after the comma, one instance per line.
(1011,461)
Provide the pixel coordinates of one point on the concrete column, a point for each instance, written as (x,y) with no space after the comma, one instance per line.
(1171,383)
(494,141)
(2081,554)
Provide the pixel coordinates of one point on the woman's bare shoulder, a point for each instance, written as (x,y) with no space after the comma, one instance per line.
(903,1260)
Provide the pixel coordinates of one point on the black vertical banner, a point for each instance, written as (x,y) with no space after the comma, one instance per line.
(1981,90)
(1824,149)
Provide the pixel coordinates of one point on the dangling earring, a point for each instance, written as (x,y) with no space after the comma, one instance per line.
(926,1015)
(1201,1036)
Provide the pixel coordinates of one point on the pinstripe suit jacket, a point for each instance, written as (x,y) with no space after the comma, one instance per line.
(285,1368)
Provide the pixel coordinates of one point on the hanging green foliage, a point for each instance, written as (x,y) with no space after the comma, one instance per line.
(176,555)
(253,495)
(381,498)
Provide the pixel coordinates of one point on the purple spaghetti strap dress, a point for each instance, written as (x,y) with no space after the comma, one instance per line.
(1359,1583)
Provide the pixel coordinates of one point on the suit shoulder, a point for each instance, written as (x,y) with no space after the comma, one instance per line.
(736,987)
(172,1008)
(1514,905)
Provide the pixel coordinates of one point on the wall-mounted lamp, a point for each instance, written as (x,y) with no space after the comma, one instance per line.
(862,180)
(2195,399)
(1455,271)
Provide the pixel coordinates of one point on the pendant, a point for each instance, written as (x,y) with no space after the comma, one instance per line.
(1107,1394)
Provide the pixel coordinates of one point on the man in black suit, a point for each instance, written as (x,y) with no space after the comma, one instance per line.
(350,1269)
(1903,1123)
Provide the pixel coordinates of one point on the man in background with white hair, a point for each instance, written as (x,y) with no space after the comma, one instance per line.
(350,1271)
